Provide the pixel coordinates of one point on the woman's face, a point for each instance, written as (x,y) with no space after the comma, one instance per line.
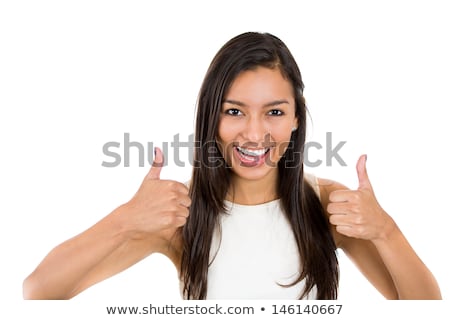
(256,122)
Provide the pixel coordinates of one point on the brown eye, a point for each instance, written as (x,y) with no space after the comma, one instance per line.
(276,112)
(233,112)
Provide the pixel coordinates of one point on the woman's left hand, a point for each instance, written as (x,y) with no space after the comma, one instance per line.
(357,213)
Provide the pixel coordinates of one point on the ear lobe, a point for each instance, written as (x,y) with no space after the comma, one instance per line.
(295,125)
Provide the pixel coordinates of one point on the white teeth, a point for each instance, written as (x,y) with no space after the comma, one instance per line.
(254,152)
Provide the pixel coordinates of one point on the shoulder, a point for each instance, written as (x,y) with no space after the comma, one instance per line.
(323,187)
(327,186)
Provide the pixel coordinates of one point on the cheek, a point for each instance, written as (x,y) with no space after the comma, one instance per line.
(221,130)
(224,137)
(282,138)
(227,131)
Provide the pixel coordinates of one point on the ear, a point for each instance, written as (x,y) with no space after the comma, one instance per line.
(295,124)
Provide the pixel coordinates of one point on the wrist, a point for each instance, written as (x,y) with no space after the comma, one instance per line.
(388,231)
(127,226)
(120,221)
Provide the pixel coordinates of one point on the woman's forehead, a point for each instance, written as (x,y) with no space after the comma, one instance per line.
(260,86)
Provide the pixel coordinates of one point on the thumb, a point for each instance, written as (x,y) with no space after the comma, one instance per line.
(158,163)
(363,178)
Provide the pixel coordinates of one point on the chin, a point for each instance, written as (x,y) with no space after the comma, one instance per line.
(254,174)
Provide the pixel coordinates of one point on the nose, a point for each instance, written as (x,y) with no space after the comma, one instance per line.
(255,130)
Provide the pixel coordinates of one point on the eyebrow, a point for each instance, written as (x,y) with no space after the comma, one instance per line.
(269,104)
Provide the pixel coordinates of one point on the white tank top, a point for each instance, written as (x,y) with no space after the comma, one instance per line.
(253,252)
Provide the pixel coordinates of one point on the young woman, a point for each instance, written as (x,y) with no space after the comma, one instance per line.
(250,223)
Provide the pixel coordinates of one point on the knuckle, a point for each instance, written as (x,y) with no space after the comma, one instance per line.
(172,194)
(168,220)
(170,183)
(358,220)
(186,212)
(358,195)
(174,208)
(354,207)
(359,230)
(352,197)
(184,188)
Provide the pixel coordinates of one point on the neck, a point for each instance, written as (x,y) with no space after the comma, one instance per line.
(249,192)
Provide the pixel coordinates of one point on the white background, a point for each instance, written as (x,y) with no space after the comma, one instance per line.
(75,75)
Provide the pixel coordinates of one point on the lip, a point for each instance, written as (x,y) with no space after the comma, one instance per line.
(251,159)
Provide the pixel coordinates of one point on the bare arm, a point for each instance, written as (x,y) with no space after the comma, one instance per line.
(410,275)
(79,262)
(144,225)
(373,241)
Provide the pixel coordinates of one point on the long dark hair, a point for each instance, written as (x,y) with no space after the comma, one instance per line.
(211,176)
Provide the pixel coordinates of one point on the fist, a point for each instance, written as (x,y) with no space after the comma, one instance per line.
(357,213)
(159,206)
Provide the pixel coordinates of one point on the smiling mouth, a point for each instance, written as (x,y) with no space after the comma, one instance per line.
(251,157)
(252,152)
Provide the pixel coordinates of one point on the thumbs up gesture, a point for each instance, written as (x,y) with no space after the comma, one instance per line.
(357,213)
(159,206)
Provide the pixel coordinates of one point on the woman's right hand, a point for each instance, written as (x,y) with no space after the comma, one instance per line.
(136,229)
(159,207)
